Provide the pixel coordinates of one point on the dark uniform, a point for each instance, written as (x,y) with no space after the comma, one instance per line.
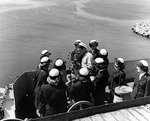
(118,79)
(81,90)
(141,87)
(53,98)
(40,78)
(101,80)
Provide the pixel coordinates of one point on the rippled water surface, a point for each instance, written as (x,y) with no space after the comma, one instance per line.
(27,27)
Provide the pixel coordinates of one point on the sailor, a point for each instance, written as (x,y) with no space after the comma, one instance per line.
(45,53)
(118,77)
(141,87)
(53,95)
(40,78)
(60,64)
(82,88)
(74,55)
(93,45)
(42,71)
(104,55)
(85,57)
(101,79)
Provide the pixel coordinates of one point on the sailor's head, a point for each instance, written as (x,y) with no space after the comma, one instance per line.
(45,61)
(99,61)
(77,42)
(93,44)
(60,64)
(119,63)
(83,71)
(45,53)
(103,53)
(142,66)
(53,77)
(82,45)
(82,48)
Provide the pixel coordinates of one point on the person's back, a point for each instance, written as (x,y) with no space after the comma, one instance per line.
(82,88)
(101,79)
(53,95)
(40,79)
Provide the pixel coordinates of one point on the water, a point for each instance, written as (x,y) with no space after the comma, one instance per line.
(27,27)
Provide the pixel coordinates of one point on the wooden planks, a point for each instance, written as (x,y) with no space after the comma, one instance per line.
(139,113)
(136,114)
(141,110)
(128,114)
(96,117)
(119,116)
(108,117)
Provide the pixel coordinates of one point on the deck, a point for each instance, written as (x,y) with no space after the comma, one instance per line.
(139,113)
(134,110)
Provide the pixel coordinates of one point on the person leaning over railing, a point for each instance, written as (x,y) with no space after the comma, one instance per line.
(141,87)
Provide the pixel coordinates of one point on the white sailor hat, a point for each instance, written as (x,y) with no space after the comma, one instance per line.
(59,62)
(82,44)
(99,60)
(103,52)
(54,72)
(45,59)
(77,41)
(143,63)
(92,41)
(44,52)
(120,60)
(84,71)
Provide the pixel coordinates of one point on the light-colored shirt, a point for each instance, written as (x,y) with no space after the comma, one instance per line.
(140,75)
(87,60)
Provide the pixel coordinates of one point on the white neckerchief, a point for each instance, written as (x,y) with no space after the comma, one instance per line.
(140,75)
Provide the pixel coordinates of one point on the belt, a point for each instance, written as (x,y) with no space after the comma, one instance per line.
(117,95)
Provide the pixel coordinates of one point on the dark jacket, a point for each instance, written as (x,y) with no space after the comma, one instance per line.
(141,88)
(118,79)
(100,85)
(39,79)
(81,90)
(53,98)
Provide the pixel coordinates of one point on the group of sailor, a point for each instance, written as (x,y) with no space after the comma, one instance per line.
(142,28)
(85,80)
